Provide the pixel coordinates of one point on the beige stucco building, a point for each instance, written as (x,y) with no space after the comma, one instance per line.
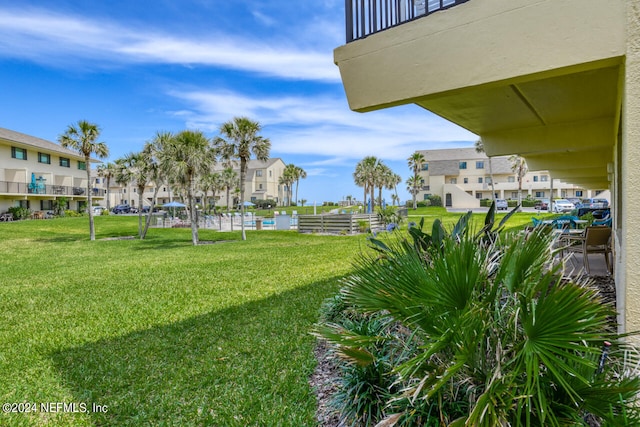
(557,82)
(462,177)
(35,172)
(261,184)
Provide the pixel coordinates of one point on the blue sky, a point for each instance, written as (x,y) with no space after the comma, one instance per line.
(137,67)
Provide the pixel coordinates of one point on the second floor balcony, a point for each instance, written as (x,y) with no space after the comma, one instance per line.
(41,189)
(365,17)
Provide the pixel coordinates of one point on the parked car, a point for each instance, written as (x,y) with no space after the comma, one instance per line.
(501,204)
(563,205)
(121,209)
(595,203)
(576,201)
(542,204)
(97,210)
(145,209)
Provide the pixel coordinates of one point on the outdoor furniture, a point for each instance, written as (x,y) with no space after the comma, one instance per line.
(595,240)
(6,217)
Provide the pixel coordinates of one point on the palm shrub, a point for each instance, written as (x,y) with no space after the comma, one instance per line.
(495,335)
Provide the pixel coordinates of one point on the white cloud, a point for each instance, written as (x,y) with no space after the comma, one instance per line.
(325,126)
(49,37)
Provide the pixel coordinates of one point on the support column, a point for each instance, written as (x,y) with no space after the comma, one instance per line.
(627,202)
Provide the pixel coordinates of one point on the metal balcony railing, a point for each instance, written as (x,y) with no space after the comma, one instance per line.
(365,17)
(11,187)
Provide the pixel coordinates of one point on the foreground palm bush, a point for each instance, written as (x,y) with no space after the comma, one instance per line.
(482,332)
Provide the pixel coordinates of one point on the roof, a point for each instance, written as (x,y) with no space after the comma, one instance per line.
(32,141)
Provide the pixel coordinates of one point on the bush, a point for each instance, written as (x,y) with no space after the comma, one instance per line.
(485,203)
(492,332)
(71,213)
(19,212)
(435,200)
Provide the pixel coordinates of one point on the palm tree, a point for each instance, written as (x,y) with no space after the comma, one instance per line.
(108,172)
(211,181)
(153,153)
(413,186)
(136,169)
(299,174)
(392,184)
(416,162)
(479,146)
(519,167)
(229,180)
(383,173)
(186,156)
(287,179)
(82,138)
(365,176)
(240,140)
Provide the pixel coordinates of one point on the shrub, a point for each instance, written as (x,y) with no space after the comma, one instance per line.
(19,212)
(71,213)
(495,333)
(389,215)
(435,200)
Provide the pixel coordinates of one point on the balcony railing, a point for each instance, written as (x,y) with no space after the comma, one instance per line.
(10,187)
(365,17)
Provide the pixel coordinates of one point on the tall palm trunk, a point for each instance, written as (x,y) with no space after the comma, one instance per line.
(243,177)
(493,188)
(140,200)
(92,230)
(150,214)
(192,211)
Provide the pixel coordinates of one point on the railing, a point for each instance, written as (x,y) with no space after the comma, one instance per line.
(365,17)
(10,187)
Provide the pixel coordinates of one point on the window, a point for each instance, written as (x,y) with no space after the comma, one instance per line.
(479,180)
(480,164)
(487,179)
(44,158)
(426,188)
(259,173)
(466,180)
(426,196)
(425,167)
(82,165)
(97,180)
(539,193)
(46,205)
(462,165)
(453,181)
(270,174)
(578,193)
(18,153)
(544,178)
(259,186)
(535,178)
(478,195)
(514,194)
(64,162)
(511,179)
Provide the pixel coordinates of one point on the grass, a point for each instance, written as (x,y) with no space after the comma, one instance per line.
(162,332)
(159,331)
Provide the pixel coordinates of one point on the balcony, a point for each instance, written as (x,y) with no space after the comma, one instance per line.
(365,17)
(540,78)
(40,189)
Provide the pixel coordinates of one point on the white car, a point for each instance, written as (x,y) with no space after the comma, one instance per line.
(563,205)
(97,210)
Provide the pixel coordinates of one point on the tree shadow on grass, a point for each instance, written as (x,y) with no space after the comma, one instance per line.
(245,365)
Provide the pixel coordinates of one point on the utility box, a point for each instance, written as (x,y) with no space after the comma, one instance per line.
(283,222)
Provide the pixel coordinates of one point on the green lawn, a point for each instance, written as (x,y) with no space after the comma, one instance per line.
(162,332)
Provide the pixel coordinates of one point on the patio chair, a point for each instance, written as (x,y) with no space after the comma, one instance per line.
(604,221)
(596,240)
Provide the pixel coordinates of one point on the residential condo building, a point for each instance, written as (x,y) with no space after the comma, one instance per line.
(462,177)
(34,173)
